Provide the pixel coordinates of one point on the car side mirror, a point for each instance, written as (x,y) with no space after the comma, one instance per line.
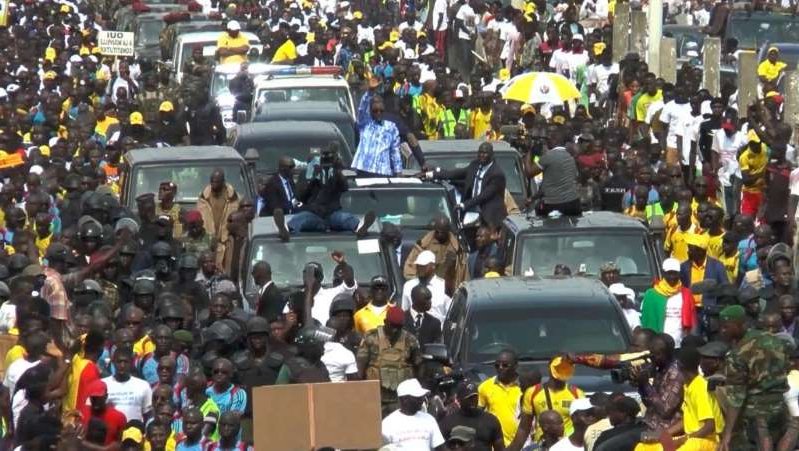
(436,352)
(251,157)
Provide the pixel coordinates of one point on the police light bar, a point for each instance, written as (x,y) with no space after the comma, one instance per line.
(305,70)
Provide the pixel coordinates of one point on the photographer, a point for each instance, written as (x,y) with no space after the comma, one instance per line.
(559,174)
(321,202)
(663,396)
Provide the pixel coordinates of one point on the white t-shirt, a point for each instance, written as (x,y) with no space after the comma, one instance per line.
(133,398)
(671,114)
(440,7)
(727,148)
(574,61)
(8,316)
(416,25)
(672,324)
(411,433)
(15,371)
(339,361)
(559,61)
(440,301)
(600,75)
(689,131)
(565,445)
(469,18)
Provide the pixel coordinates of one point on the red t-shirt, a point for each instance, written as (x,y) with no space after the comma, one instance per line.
(89,374)
(114,422)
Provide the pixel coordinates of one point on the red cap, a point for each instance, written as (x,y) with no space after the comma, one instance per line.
(728,125)
(96,389)
(193,216)
(395,316)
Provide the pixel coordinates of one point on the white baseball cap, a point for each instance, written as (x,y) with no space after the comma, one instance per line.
(425,258)
(234,25)
(579,404)
(411,387)
(619,289)
(671,264)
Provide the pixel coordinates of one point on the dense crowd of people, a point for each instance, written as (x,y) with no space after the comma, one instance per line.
(128,328)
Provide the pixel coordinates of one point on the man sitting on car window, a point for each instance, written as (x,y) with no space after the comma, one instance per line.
(320,208)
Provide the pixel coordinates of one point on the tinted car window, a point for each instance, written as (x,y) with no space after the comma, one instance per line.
(508,163)
(403,207)
(190,179)
(269,151)
(288,259)
(305,94)
(584,252)
(147,32)
(544,331)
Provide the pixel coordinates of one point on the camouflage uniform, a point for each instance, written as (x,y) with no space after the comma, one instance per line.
(150,101)
(197,246)
(389,363)
(176,213)
(756,370)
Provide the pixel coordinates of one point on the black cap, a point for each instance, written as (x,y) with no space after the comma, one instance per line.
(717,349)
(342,302)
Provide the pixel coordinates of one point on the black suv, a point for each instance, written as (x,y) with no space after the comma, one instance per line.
(535,245)
(539,318)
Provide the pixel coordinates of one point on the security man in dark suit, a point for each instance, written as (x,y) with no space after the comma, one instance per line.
(280,191)
(269,301)
(418,322)
(483,188)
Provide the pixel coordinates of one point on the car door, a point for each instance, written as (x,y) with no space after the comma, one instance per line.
(454,323)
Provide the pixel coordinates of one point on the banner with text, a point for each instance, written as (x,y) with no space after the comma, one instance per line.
(119,43)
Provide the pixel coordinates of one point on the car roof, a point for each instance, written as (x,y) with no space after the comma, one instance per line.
(182,153)
(588,220)
(203,36)
(283,129)
(300,110)
(555,291)
(407,183)
(299,81)
(252,69)
(461,145)
(265,226)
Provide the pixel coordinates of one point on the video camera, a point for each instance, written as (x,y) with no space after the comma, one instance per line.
(625,372)
(523,140)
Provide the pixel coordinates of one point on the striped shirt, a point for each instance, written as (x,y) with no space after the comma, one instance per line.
(234,398)
(379,147)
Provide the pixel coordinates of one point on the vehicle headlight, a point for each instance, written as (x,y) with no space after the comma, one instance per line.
(226,100)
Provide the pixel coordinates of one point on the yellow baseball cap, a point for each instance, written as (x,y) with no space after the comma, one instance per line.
(166,106)
(561,368)
(394,36)
(599,47)
(698,240)
(752,136)
(136,118)
(100,75)
(133,433)
(44,150)
(357,15)
(386,45)
(65,9)
(527,108)
(49,54)
(50,75)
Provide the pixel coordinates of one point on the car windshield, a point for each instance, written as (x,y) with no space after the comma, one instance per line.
(544,332)
(190,179)
(400,206)
(299,149)
(753,32)
(288,259)
(220,83)
(508,163)
(147,32)
(584,253)
(305,94)
(209,50)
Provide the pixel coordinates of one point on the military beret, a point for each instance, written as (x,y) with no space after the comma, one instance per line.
(732,313)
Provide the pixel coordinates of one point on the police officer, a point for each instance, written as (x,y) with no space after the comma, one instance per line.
(342,310)
(90,234)
(257,365)
(306,367)
(163,261)
(172,314)
(756,368)
(185,283)
(144,298)
(87,297)
(389,354)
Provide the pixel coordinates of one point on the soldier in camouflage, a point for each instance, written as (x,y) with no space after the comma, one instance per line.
(150,99)
(389,354)
(756,368)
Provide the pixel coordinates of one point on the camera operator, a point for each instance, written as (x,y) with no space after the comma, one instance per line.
(559,173)
(321,202)
(663,396)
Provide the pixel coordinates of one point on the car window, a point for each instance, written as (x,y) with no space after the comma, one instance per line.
(300,149)
(751,32)
(398,206)
(305,94)
(288,259)
(147,32)
(508,163)
(584,253)
(191,179)
(543,331)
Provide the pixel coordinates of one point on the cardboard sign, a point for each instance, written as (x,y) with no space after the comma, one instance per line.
(342,415)
(119,43)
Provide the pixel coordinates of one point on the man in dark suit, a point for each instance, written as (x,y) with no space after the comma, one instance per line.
(708,268)
(418,322)
(269,301)
(484,186)
(280,191)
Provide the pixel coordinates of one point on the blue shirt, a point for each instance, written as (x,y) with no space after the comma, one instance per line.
(747,255)
(379,147)
(234,398)
(627,201)
(149,367)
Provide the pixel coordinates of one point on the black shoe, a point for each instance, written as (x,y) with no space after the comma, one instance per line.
(280,223)
(368,220)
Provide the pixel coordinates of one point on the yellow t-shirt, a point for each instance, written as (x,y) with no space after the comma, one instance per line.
(754,164)
(102,126)
(697,275)
(699,405)
(368,318)
(43,243)
(770,71)
(643,104)
(480,123)
(675,243)
(730,265)
(502,401)
(286,53)
(226,41)
(714,245)
(561,400)
(15,353)
(145,345)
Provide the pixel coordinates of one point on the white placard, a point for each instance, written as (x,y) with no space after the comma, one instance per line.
(119,43)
